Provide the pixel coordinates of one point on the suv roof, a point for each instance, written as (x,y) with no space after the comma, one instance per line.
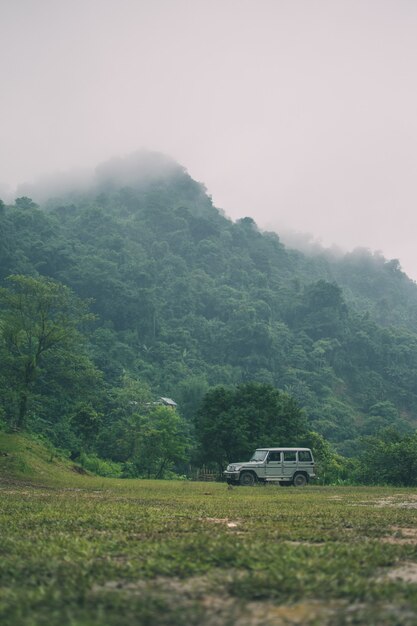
(280,449)
(284,449)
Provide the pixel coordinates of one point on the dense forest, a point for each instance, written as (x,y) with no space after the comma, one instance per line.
(131,286)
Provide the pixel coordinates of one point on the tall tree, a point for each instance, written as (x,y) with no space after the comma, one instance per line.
(162,441)
(38,317)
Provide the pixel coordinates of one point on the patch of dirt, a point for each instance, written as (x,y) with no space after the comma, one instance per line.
(406,572)
(265,614)
(384,502)
(393,502)
(401,536)
(207,592)
(221,520)
(220,608)
(78,469)
(397,502)
(304,543)
(189,587)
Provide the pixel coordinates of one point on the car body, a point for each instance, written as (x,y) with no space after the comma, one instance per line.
(286,466)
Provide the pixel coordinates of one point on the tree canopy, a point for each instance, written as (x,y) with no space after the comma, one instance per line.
(231,423)
(39,333)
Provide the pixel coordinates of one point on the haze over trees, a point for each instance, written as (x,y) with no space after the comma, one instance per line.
(134,286)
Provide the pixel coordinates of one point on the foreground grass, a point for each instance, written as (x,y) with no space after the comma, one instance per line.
(85,551)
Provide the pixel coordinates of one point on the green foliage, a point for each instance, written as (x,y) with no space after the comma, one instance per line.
(322,311)
(232,422)
(25,203)
(161,442)
(389,459)
(3,422)
(189,395)
(331,468)
(86,422)
(124,407)
(99,466)
(186,300)
(39,320)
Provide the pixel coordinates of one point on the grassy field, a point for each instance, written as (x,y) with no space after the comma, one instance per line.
(83,551)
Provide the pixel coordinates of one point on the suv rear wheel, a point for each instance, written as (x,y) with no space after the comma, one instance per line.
(247,479)
(299,480)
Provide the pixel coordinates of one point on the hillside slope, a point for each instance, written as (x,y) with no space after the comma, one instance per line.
(27,459)
(187,299)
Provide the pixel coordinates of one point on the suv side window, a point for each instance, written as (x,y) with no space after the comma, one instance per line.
(304,456)
(290,456)
(274,456)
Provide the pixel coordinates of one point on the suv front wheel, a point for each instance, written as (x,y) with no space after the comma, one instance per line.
(247,479)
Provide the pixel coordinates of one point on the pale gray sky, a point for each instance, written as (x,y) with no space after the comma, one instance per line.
(299,113)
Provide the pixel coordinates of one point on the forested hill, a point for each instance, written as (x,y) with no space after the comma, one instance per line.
(187,299)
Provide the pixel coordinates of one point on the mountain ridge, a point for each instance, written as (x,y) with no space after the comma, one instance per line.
(187,299)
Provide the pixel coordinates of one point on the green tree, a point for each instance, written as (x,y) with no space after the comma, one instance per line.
(25,203)
(322,312)
(38,317)
(233,422)
(190,394)
(389,458)
(162,442)
(86,422)
(332,468)
(124,407)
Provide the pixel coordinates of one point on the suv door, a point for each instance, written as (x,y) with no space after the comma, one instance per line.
(289,464)
(273,468)
(305,462)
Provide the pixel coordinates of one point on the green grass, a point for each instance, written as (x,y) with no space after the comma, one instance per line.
(88,551)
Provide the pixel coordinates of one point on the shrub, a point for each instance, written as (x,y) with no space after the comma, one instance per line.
(389,459)
(101,467)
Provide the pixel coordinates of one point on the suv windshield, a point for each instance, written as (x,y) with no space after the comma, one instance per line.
(259,455)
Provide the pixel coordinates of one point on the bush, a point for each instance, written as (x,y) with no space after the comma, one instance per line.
(332,468)
(3,421)
(389,459)
(101,467)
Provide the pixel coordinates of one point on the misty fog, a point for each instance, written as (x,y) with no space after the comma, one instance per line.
(301,115)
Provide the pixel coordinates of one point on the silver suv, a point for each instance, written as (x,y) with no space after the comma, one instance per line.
(286,466)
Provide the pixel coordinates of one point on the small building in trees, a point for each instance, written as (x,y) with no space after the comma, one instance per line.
(167,402)
(163,402)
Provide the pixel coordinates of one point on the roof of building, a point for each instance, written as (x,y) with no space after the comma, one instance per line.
(168,401)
